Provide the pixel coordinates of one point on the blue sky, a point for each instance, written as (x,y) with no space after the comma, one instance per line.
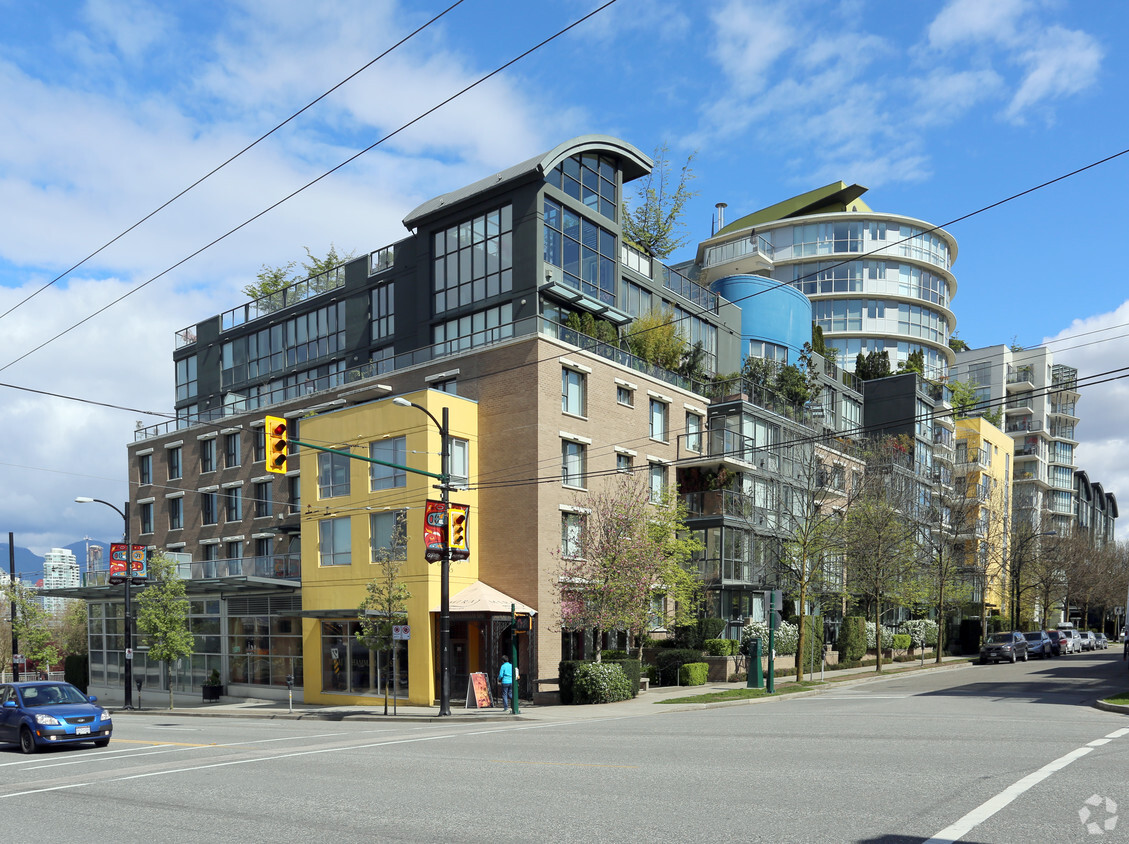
(110,107)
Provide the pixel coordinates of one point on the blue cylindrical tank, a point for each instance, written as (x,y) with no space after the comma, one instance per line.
(771,312)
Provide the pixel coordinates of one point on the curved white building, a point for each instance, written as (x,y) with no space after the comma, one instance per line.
(877,281)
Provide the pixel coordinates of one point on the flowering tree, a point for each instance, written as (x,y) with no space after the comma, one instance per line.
(627,554)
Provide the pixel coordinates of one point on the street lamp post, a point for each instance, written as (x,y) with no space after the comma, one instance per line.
(128,583)
(1018,571)
(445,571)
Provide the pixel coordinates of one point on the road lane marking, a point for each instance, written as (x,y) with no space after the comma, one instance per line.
(1099,742)
(561,764)
(956,831)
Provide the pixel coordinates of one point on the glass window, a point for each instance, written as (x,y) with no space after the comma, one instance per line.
(231,450)
(233,504)
(657,485)
(145,469)
(572,534)
(583,250)
(460,461)
(693,432)
(473,260)
(573,460)
(388,532)
(658,420)
(334,542)
(208,508)
(623,462)
(383,312)
(260,445)
(173,457)
(146,517)
(391,450)
(625,395)
(186,378)
(263,503)
(333,474)
(207,455)
(573,389)
(176,513)
(234,550)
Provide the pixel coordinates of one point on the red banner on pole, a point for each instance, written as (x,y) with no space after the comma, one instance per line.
(118,562)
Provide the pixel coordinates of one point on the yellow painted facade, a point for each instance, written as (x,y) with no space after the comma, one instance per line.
(988,466)
(333,588)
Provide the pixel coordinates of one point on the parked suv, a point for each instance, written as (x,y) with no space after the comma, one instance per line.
(1089,641)
(1060,643)
(1004,646)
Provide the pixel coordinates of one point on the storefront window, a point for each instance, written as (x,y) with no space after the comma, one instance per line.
(348,666)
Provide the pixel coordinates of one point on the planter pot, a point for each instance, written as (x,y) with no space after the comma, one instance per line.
(212,692)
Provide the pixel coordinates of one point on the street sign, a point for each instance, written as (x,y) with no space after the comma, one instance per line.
(401,632)
(19,659)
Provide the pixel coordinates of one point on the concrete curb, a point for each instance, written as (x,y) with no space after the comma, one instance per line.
(1111,707)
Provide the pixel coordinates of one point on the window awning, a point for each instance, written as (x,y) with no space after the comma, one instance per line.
(478,597)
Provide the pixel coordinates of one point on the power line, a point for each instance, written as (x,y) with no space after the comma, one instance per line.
(313,182)
(219,167)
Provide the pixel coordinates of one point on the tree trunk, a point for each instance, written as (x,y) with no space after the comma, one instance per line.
(878,636)
(800,638)
(940,626)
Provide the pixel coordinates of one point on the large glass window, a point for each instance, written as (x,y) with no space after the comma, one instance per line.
(391,450)
(335,542)
(383,311)
(573,389)
(387,533)
(172,455)
(478,329)
(176,513)
(460,461)
(264,649)
(145,469)
(585,251)
(264,505)
(333,474)
(208,508)
(233,504)
(693,432)
(146,510)
(591,179)
(572,534)
(285,345)
(348,666)
(231,450)
(573,455)
(473,260)
(186,378)
(207,455)
(658,420)
(657,482)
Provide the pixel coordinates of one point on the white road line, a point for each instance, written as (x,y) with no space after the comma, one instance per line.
(984,811)
(1099,742)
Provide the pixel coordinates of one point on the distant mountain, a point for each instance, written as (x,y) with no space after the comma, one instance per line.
(29,565)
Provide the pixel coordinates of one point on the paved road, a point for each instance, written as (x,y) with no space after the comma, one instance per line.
(986,753)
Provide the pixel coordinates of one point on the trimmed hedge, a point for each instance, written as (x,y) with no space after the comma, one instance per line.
(668,662)
(852,639)
(566,675)
(721,647)
(632,669)
(599,682)
(902,641)
(693,674)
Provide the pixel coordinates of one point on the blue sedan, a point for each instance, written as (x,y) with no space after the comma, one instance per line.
(42,714)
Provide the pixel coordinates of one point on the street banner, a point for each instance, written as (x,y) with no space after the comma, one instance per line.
(118,562)
(434,530)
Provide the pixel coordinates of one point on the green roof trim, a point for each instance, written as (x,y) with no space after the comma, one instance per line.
(835,197)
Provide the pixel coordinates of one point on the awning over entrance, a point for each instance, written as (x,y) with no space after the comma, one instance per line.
(478,597)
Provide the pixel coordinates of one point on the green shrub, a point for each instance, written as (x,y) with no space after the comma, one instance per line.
(693,674)
(902,641)
(852,639)
(720,647)
(632,669)
(612,656)
(599,682)
(668,662)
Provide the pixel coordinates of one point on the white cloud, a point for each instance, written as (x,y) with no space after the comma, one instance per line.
(943,97)
(750,38)
(962,21)
(1059,64)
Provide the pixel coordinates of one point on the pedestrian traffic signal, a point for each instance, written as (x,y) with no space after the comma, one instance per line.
(457,531)
(277,444)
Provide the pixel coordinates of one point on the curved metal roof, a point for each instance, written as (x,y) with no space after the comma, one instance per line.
(633,162)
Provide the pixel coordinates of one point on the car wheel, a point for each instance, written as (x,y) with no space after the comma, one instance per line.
(27,740)
(1013,657)
(1025,655)
(102,742)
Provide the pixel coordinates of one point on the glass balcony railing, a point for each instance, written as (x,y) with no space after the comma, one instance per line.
(734,249)
(278,566)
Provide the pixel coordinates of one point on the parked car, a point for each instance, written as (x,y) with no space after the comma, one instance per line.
(1002,647)
(45,713)
(1060,644)
(1089,641)
(1073,642)
(1103,642)
(1039,644)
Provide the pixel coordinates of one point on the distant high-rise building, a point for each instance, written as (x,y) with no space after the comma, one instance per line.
(60,571)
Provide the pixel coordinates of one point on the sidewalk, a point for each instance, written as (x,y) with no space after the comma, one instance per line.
(643,704)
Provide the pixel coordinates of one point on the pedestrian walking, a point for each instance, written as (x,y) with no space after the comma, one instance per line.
(506,681)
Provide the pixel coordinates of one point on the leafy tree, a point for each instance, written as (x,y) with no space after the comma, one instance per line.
(72,637)
(956,344)
(162,614)
(655,223)
(872,365)
(915,362)
(271,281)
(386,599)
(32,627)
(964,399)
(655,337)
(954,514)
(817,343)
(880,531)
(630,553)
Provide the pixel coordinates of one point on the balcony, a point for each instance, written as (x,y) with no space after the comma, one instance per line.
(1018,425)
(721,502)
(1021,377)
(276,567)
(746,253)
(1064,408)
(718,446)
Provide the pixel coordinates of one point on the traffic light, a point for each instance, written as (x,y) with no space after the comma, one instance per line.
(457,527)
(277,444)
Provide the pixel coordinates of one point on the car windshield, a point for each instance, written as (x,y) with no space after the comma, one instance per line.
(1033,637)
(1000,639)
(52,695)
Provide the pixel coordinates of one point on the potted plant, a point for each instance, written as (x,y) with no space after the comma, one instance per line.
(212,687)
